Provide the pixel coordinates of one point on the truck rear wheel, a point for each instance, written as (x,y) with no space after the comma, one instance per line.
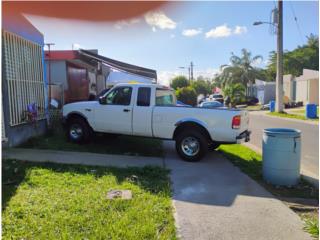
(78,131)
(191,145)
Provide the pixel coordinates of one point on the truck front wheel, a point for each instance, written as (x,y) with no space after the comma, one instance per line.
(78,131)
(191,145)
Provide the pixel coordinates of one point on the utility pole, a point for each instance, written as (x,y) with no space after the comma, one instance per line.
(49,71)
(279,79)
(191,70)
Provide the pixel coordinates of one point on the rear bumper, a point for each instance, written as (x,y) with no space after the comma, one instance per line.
(244,135)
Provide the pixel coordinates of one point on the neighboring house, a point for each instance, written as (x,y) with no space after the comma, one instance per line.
(24,93)
(72,78)
(307,87)
(77,75)
(264,91)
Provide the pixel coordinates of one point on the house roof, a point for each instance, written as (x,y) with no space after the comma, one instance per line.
(129,68)
(61,54)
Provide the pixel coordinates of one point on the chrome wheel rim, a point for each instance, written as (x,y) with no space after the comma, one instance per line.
(76,131)
(190,146)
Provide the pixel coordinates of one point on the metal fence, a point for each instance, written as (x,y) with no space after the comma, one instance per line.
(24,75)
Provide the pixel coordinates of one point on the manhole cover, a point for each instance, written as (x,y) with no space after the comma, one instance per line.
(119,194)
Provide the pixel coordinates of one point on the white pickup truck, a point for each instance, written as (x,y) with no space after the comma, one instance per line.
(150,110)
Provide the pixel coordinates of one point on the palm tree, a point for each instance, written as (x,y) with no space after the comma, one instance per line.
(241,69)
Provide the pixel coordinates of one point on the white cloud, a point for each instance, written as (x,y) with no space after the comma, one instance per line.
(126,23)
(240,30)
(218,32)
(225,31)
(191,32)
(76,46)
(159,20)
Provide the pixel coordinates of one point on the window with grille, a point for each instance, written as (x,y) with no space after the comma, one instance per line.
(24,75)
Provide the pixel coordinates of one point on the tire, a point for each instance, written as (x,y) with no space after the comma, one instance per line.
(79,131)
(184,139)
(213,146)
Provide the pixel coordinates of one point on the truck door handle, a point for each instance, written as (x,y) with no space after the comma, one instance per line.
(126,110)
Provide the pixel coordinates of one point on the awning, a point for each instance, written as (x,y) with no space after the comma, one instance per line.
(121,66)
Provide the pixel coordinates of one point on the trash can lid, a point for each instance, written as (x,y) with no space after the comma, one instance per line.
(282,132)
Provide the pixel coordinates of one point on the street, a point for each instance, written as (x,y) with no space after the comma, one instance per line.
(309,133)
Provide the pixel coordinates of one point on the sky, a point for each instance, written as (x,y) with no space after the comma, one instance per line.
(172,36)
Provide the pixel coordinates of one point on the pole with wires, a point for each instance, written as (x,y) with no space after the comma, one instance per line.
(279,79)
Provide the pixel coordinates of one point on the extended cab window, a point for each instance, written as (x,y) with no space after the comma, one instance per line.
(165,97)
(144,94)
(119,96)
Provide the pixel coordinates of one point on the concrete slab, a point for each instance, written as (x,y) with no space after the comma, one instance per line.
(85,158)
(214,200)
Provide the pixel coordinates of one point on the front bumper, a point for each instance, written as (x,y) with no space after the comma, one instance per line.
(244,135)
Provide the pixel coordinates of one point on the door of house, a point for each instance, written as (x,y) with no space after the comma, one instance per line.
(78,84)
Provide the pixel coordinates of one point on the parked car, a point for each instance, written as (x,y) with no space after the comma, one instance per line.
(181,104)
(211,104)
(150,110)
(216,97)
(249,100)
(265,106)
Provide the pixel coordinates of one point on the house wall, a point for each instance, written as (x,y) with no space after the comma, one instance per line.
(302,91)
(307,87)
(288,87)
(15,23)
(314,91)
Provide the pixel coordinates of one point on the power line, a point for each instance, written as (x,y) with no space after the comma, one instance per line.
(296,20)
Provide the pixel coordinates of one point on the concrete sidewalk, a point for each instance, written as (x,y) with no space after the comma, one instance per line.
(215,200)
(85,158)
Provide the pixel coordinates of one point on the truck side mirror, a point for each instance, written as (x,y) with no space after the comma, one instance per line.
(102,100)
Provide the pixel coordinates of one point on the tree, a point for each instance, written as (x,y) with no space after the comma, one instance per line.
(241,69)
(202,86)
(179,82)
(236,93)
(187,95)
(306,56)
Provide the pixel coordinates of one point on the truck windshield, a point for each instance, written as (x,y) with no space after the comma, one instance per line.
(165,97)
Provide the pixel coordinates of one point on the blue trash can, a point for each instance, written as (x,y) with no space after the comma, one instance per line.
(281,153)
(311,111)
(272,106)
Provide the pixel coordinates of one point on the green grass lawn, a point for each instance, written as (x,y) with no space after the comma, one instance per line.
(250,163)
(311,224)
(290,115)
(254,108)
(53,201)
(303,111)
(124,145)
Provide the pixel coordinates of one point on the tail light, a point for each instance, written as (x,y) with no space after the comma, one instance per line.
(236,122)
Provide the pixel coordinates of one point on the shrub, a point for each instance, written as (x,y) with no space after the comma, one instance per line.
(187,95)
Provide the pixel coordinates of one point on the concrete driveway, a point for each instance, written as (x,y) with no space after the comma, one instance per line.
(215,200)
